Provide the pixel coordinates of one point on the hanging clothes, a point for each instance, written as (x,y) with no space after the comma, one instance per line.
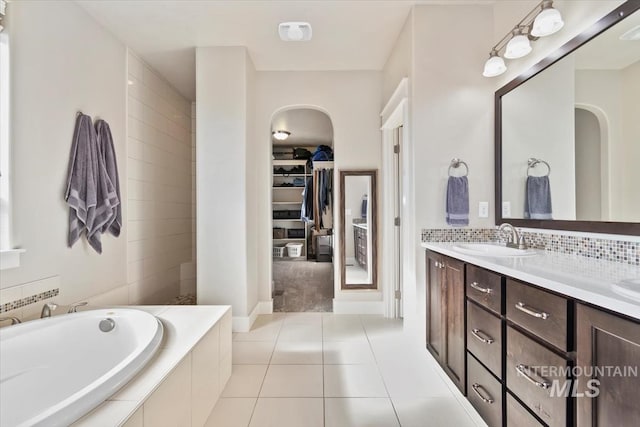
(306,212)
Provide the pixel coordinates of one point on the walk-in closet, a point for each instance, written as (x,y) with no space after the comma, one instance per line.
(302,211)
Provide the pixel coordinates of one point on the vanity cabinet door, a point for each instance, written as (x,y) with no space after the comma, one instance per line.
(454,329)
(445,315)
(606,341)
(435,305)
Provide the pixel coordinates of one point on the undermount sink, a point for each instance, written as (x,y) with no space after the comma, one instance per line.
(492,250)
(629,288)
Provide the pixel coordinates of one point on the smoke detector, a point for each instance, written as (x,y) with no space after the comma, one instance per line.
(295,31)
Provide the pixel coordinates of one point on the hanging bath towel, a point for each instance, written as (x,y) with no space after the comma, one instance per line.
(108,156)
(81,179)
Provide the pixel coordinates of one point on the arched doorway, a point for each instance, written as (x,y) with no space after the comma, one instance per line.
(302,210)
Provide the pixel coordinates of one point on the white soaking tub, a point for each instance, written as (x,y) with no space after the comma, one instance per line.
(55,370)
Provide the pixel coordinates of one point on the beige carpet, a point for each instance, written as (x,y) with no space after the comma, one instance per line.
(302,286)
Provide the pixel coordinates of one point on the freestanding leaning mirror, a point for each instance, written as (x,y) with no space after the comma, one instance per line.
(358,229)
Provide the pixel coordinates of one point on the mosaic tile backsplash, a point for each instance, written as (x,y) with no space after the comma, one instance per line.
(621,251)
(32,299)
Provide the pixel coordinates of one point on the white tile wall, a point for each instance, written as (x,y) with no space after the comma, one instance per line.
(160,248)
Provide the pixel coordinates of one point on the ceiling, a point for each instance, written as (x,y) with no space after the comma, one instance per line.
(308,127)
(607,51)
(347,34)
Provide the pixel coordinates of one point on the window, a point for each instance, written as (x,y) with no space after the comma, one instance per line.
(9,257)
(5,234)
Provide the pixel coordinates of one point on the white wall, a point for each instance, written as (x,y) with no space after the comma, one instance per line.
(62,62)
(588,166)
(630,202)
(538,120)
(352,100)
(399,63)
(159,166)
(224,180)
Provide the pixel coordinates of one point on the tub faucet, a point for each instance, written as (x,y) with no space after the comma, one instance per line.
(47,309)
(73,308)
(515,240)
(14,320)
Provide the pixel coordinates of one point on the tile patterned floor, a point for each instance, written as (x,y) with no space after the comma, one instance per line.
(329,370)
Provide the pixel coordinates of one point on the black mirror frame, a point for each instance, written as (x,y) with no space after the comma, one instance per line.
(627,228)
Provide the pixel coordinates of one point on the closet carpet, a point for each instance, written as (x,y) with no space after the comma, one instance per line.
(302,286)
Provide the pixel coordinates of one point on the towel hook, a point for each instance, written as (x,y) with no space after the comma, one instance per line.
(532,163)
(456,163)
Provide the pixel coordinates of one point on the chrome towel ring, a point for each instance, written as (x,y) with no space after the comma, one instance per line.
(456,163)
(532,163)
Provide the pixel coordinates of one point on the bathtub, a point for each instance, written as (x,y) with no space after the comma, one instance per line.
(55,370)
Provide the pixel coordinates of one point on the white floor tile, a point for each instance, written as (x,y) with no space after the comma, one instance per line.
(359,412)
(297,353)
(301,332)
(252,352)
(232,412)
(293,381)
(306,318)
(355,362)
(353,381)
(435,411)
(347,352)
(261,331)
(288,412)
(245,381)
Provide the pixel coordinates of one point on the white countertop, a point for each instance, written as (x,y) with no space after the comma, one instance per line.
(184,327)
(363,225)
(586,279)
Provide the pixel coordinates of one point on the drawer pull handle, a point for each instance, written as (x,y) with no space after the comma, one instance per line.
(532,312)
(477,287)
(476,388)
(439,264)
(476,333)
(523,370)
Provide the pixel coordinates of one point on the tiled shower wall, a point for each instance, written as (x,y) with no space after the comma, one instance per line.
(160,246)
(623,250)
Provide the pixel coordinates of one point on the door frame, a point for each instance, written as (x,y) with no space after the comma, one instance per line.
(396,114)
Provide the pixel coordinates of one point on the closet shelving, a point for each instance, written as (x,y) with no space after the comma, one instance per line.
(289,198)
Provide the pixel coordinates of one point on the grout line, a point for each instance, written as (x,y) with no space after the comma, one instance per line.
(384,383)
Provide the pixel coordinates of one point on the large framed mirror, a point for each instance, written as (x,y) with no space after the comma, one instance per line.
(358,229)
(567,135)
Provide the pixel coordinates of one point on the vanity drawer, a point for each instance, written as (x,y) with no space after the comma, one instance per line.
(518,416)
(539,312)
(484,392)
(525,379)
(484,287)
(484,337)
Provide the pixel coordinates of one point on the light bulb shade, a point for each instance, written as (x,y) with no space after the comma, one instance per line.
(547,22)
(280,135)
(295,33)
(494,66)
(517,47)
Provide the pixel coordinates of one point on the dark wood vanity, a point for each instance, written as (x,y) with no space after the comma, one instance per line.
(511,347)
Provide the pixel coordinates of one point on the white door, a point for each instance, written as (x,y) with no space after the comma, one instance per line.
(397,213)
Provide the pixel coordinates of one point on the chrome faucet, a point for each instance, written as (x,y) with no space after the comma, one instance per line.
(47,309)
(515,240)
(14,320)
(73,308)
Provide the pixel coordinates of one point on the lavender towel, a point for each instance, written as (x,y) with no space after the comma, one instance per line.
(81,186)
(537,200)
(457,210)
(108,156)
(90,195)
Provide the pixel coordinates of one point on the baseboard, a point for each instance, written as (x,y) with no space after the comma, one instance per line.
(358,307)
(244,323)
